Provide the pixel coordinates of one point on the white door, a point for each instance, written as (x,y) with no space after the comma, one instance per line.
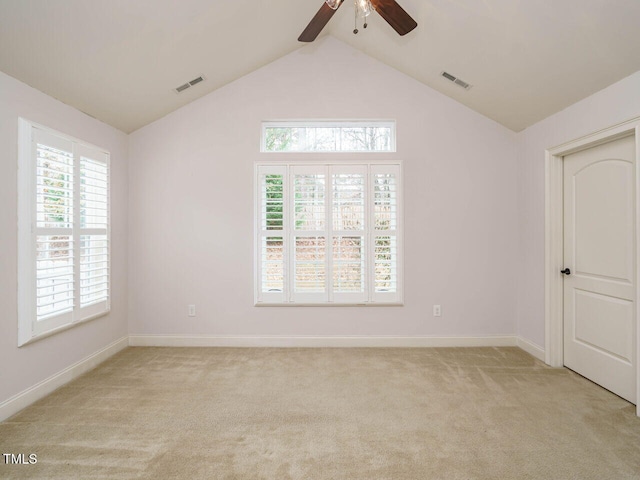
(599,250)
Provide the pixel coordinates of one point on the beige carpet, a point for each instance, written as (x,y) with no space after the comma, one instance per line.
(361,414)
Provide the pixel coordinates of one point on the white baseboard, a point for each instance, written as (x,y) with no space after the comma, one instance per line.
(530,348)
(25,398)
(140,340)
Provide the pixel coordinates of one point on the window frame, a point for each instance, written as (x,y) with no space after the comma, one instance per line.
(30,329)
(328,124)
(286,297)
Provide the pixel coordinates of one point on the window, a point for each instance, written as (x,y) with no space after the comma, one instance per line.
(63,231)
(328,233)
(369,136)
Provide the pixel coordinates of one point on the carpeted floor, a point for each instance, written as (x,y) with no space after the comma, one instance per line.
(347,414)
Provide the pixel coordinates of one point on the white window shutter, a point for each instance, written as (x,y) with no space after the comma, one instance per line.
(349,223)
(384,236)
(94,249)
(328,234)
(53,241)
(272,229)
(63,227)
(309,199)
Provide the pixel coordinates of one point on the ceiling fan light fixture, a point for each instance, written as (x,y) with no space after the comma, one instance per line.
(334,4)
(363,8)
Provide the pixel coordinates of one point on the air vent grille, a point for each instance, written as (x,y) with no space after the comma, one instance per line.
(456,80)
(448,76)
(182,87)
(189,84)
(459,82)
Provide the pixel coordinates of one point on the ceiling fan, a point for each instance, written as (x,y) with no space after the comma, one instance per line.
(393,13)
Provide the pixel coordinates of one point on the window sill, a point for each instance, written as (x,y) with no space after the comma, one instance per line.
(62,328)
(291,304)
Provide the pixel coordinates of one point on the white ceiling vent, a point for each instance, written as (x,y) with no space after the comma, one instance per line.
(191,83)
(456,80)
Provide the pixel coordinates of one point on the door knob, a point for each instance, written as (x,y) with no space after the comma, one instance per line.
(566,271)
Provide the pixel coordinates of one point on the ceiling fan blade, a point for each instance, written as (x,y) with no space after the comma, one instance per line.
(318,22)
(395,15)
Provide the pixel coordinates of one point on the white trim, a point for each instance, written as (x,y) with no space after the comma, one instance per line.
(554,348)
(62,328)
(25,201)
(142,340)
(553,260)
(309,301)
(531,348)
(70,138)
(32,394)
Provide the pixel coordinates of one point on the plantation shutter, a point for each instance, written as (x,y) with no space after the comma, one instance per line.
(94,245)
(385,180)
(272,233)
(53,232)
(348,233)
(69,277)
(309,230)
(328,234)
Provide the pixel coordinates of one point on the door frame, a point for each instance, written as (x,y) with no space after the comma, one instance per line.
(554,237)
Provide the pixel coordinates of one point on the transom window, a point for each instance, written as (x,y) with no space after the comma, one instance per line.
(63,228)
(328,233)
(328,136)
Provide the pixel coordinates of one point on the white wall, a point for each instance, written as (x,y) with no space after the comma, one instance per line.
(191,205)
(21,368)
(615,104)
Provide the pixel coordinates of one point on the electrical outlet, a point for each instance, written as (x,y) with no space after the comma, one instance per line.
(437,311)
(192,310)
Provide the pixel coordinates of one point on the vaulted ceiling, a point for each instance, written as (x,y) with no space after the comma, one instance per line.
(119,60)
